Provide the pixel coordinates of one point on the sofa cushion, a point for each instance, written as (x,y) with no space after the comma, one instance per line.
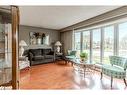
(36,52)
(46,51)
(49,56)
(39,57)
(25,53)
(113,68)
(51,53)
(114,71)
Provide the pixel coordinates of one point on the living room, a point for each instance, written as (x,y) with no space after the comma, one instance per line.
(72,47)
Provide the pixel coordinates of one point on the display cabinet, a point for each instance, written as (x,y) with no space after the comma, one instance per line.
(8,46)
(5,47)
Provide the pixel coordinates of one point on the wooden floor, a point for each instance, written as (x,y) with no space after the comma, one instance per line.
(59,76)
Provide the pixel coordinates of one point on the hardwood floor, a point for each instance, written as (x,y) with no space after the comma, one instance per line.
(58,76)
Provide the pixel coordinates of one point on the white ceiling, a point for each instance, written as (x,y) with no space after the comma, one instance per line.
(58,17)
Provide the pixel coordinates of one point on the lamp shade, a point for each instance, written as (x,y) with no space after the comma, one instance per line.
(58,43)
(22,43)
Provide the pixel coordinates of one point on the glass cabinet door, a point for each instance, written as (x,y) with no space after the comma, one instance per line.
(5,46)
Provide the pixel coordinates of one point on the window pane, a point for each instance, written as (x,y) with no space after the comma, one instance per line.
(96,45)
(86,43)
(108,43)
(77,43)
(123,39)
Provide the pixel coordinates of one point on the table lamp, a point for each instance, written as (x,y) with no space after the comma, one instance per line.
(58,44)
(21,49)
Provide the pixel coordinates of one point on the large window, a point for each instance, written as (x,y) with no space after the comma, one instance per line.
(77,42)
(123,39)
(102,42)
(108,43)
(96,45)
(86,43)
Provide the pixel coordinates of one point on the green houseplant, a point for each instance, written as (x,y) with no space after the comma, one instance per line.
(84,56)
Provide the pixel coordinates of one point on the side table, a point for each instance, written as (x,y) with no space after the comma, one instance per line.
(59,57)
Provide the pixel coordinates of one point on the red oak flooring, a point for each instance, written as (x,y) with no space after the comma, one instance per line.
(59,76)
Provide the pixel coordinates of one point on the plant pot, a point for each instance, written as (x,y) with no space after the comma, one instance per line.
(83,59)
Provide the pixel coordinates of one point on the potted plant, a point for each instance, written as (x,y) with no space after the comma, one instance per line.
(84,56)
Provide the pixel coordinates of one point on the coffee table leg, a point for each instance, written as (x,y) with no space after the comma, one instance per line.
(84,71)
(72,63)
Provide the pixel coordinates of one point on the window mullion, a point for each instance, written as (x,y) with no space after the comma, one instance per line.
(116,39)
(102,45)
(73,38)
(81,40)
(91,45)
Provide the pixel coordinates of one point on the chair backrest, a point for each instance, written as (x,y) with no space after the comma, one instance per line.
(119,61)
(72,52)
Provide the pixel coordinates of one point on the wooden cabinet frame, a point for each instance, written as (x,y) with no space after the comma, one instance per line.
(15,29)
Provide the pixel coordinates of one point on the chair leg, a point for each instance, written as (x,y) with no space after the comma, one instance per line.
(84,72)
(111,81)
(101,75)
(71,63)
(125,81)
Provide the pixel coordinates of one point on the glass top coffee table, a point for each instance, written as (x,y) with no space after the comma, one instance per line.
(83,67)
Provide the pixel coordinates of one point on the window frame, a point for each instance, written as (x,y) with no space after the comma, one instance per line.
(89,43)
(116,38)
(117,35)
(92,44)
(103,37)
(74,40)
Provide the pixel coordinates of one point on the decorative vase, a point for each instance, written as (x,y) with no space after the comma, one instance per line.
(43,40)
(39,41)
(47,39)
(83,59)
(34,41)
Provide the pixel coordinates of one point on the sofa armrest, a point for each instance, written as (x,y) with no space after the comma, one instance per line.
(31,54)
(50,53)
(30,57)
